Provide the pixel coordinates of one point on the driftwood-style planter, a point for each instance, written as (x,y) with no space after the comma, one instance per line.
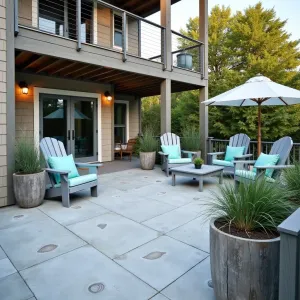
(29,189)
(243,269)
(147,160)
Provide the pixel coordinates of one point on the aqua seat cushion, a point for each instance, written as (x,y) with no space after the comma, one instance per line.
(63,163)
(266,160)
(172,150)
(251,175)
(82,179)
(180,161)
(232,152)
(223,163)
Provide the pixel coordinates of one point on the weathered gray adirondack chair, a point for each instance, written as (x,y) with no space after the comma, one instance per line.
(52,147)
(238,140)
(168,139)
(282,147)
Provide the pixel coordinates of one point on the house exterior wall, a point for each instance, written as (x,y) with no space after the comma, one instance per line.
(25,106)
(104,25)
(3,110)
(25,12)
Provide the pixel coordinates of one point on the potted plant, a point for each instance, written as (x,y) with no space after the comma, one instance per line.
(147,149)
(244,242)
(29,178)
(198,162)
(292,183)
(191,140)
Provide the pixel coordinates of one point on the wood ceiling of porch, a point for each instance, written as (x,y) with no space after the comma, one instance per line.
(143,8)
(124,82)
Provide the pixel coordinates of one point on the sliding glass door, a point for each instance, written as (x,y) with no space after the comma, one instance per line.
(73,121)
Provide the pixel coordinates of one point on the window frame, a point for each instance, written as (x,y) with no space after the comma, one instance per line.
(113,31)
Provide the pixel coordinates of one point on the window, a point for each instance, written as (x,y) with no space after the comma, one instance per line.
(120,125)
(118,33)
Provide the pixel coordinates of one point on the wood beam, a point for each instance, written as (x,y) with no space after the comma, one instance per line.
(55,63)
(91,71)
(83,67)
(67,65)
(37,62)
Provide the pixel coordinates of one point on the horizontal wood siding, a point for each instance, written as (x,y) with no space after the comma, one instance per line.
(133,36)
(134,120)
(104,23)
(25,12)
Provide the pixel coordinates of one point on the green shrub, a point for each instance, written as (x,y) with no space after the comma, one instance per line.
(147,142)
(292,182)
(256,206)
(27,157)
(198,161)
(191,139)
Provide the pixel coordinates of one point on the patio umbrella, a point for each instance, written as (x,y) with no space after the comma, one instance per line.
(59,114)
(257,91)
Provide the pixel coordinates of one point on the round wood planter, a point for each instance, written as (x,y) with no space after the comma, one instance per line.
(29,189)
(242,268)
(147,160)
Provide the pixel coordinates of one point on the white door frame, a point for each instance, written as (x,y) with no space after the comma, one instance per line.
(36,111)
(127,117)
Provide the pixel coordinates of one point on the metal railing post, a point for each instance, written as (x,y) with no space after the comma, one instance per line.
(16,17)
(78,23)
(201,60)
(289,269)
(163,48)
(124,36)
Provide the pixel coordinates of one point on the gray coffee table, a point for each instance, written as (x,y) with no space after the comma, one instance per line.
(190,171)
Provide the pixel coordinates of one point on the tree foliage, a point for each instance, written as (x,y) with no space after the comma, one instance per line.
(241,45)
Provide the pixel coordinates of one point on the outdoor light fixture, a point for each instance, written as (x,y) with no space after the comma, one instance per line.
(24,87)
(108,96)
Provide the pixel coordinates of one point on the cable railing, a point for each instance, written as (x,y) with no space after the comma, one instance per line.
(97,23)
(219,145)
(187,53)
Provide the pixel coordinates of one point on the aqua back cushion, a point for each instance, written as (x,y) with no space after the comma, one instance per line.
(172,150)
(266,160)
(232,152)
(63,163)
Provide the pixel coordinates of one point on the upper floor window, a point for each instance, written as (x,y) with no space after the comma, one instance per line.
(118,33)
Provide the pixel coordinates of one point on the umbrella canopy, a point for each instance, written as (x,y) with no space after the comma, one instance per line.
(257,91)
(59,114)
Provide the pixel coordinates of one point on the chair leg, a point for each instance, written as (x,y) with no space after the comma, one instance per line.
(236,185)
(94,191)
(65,191)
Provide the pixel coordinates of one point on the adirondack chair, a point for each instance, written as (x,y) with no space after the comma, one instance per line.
(238,140)
(282,147)
(168,139)
(52,147)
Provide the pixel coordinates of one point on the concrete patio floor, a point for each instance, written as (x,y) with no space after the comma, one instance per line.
(140,238)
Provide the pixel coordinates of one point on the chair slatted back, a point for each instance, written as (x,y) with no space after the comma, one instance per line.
(169,139)
(52,147)
(282,147)
(240,140)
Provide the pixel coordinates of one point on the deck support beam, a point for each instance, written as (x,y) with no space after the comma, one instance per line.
(165,106)
(165,21)
(203,92)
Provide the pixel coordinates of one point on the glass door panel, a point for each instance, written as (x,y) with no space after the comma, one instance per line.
(120,122)
(55,118)
(83,134)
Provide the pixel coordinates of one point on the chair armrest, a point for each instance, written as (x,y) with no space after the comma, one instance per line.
(277,167)
(243,156)
(186,151)
(60,172)
(215,153)
(246,162)
(162,153)
(87,165)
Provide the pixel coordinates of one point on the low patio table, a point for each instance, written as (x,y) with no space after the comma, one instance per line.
(190,171)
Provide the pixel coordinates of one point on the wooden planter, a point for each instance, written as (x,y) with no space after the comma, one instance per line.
(147,160)
(243,268)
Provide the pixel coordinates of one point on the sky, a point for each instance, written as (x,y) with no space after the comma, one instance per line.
(285,10)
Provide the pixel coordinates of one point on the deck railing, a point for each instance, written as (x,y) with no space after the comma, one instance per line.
(219,145)
(103,25)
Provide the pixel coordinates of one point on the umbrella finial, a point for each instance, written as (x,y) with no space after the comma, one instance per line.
(258,78)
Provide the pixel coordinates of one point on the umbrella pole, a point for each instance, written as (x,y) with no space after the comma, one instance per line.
(259,130)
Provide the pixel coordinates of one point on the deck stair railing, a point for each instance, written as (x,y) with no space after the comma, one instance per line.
(219,145)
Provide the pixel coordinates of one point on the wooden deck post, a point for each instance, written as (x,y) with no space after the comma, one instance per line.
(165,106)
(203,92)
(289,277)
(165,20)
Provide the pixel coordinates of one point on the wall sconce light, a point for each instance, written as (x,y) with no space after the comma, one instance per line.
(24,87)
(108,96)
